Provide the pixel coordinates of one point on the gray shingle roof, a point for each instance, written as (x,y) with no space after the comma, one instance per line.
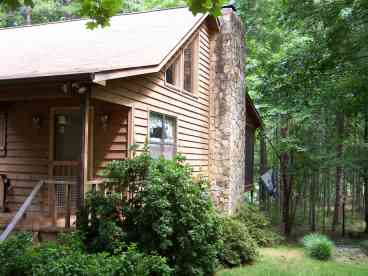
(137,40)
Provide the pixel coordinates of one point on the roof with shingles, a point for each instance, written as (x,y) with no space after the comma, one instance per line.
(133,41)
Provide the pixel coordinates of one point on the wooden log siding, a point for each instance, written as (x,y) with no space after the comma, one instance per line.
(111,143)
(149,93)
(3,133)
(26,161)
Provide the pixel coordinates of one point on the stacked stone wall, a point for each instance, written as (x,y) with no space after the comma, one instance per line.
(227,112)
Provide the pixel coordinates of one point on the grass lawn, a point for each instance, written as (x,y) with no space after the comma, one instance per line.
(291,261)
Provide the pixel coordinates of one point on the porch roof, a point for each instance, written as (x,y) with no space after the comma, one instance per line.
(252,113)
(134,44)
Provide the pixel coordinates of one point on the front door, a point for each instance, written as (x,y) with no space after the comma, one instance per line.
(66,150)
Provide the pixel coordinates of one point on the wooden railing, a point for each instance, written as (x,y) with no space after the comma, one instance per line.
(67,208)
(65,168)
(105,187)
(63,190)
(18,216)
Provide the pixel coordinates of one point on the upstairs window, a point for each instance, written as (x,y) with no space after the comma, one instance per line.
(188,68)
(182,72)
(162,135)
(173,73)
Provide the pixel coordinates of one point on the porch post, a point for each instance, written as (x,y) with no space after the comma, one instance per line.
(85,114)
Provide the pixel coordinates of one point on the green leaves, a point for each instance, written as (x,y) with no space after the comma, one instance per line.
(203,6)
(318,246)
(99,11)
(13,4)
(167,213)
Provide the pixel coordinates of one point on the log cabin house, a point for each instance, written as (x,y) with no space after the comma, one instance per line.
(72,99)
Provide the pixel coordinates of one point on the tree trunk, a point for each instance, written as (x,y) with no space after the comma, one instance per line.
(324,183)
(313,193)
(285,180)
(366,177)
(339,170)
(28,16)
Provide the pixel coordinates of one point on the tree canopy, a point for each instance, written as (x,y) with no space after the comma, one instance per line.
(307,64)
(100,11)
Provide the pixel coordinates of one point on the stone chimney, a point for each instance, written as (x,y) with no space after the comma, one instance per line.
(227,112)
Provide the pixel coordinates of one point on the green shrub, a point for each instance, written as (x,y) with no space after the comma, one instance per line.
(318,246)
(364,245)
(129,263)
(13,251)
(169,214)
(66,257)
(257,224)
(238,246)
(103,232)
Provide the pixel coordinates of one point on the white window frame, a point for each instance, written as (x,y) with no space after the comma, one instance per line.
(162,143)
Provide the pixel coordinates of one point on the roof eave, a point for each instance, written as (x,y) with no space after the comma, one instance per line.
(83,77)
(255,112)
(123,73)
(155,68)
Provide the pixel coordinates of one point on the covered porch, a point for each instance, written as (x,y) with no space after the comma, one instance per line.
(54,138)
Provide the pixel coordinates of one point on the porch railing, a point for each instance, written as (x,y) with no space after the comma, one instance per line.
(67,187)
(18,216)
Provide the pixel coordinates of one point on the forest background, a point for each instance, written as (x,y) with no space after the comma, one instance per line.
(307,73)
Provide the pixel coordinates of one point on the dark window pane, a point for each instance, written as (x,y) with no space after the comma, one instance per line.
(156,127)
(188,69)
(68,129)
(172,73)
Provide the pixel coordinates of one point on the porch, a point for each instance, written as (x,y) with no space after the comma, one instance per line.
(54,138)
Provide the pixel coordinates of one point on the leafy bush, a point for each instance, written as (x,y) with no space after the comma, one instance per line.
(169,213)
(66,257)
(364,245)
(238,245)
(318,246)
(78,263)
(257,224)
(103,231)
(13,253)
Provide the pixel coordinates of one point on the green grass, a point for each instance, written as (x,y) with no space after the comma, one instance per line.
(292,261)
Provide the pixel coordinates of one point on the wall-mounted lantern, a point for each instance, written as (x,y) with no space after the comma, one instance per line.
(105,120)
(61,122)
(36,121)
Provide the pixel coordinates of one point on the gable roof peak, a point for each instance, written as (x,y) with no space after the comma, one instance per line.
(132,42)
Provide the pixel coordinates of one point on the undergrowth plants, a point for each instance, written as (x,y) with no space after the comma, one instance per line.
(150,218)
(167,213)
(318,246)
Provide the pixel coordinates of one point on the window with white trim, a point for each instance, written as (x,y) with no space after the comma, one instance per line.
(162,135)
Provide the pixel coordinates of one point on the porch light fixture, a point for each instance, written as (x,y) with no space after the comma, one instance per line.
(104,119)
(79,88)
(36,121)
(61,121)
(66,88)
